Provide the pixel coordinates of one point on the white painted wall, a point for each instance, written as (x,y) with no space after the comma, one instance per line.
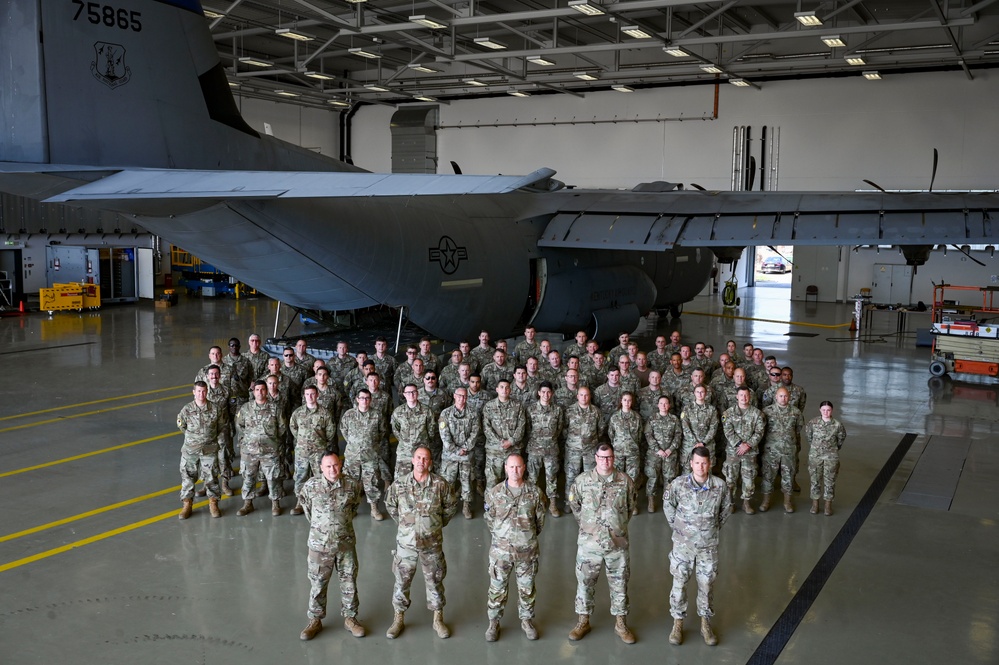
(315,129)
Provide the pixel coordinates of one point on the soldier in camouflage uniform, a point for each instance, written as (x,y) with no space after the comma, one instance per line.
(448,378)
(583,430)
(744,427)
(340,364)
(565,394)
(575,348)
(314,431)
(220,396)
(526,349)
(625,433)
(595,372)
(545,425)
(478,397)
(608,396)
(796,392)
(304,358)
(664,436)
(258,360)
(825,436)
(385,364)
(263,429)
(504,422)
(436,400)
(413,425)
(700,426)
(381,403)
(515,515)
(330,502)
(602,501)
(498,370)
(327,394)
(696,506)
(620,350)
(240,371)
(201,422)
(362,430)
(483,353)
(780,448)
(426,354)
(520,389)
(297,374)
(422,503)
(460,429)
(648,397)
(658,359)
(214,360)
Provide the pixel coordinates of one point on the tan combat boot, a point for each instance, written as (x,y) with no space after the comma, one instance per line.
(788,506)
(213,507)
(186,509)
(376,514)
(355,628)
(746,508)
(527,625)
(709,635)
(553,508)
(466,510)
(621,630)
(440,627)
(828,510)
(275,508)
(492,632)
(676,635)
(581,629)
(652,505)
(297,510)
(395,630)
(815,506)
(765,505)
(315,625)
(226,490)
(246,509)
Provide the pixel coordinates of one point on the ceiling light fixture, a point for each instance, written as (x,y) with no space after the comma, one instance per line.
(741,83)
(585,76)
(809,19)
(622,88)
(318,75)
(489,42)
(428,22)
(286,93)
(474,82)
(586,7)
(212,13)
(417,67)
(297,35)
(855,60)
(256,62)
(832,41)
(374,87)
(674,51)
(424,98)
(356,2)
(518,93)
(872,76)
(358,51)
(711,69)
(339,102)
(635,31)
(540,60)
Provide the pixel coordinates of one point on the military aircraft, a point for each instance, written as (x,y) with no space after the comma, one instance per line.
(126,107)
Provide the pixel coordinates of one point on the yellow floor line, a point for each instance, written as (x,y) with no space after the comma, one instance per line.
(749,318)
(92,413)
(96,401)
(85,455)
(89,513)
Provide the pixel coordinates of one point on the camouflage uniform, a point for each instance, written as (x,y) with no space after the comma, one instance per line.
(386,370)
(448,381)
(824,441)
(525,350)
(502,420)
(422,510)
(330,400)
(625,433)
(515,517)
(340,367)
(199,454)
(565,397)
(483,356)
(436,401)
(240,372)
(573,349)
(615,353)
(700,425)
(258,364)
(226,403)
(648,400)
(603,507)
(798,396)
(412,427)
(459,430)
(314,430)
(362,432)
(526,395)
(331,508)
(695,514)
(477,402)
(658,361)
(492,374)
(662,433)
(742,427)
(591,377)
(263,429)
(583,430)
(780,446)
(608,398)
(297,374)
(430,362)
(545,425)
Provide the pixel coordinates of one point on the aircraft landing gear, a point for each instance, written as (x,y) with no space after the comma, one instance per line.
(730,297)
(675,311)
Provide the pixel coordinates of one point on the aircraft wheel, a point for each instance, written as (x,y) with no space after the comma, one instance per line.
(675,311)
(728,295)
(937,368)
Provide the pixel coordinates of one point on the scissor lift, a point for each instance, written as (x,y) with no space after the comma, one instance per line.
(965,330)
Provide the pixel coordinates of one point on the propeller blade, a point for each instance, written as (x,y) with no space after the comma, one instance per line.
(751,174)
(968,255)
(876,186)
(934,176)
(455,167)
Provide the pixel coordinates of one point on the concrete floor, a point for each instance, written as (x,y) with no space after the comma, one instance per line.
(95,567)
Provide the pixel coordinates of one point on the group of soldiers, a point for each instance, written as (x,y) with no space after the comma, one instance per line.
(515,426)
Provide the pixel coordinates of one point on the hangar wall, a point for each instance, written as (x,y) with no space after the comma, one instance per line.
(315,129)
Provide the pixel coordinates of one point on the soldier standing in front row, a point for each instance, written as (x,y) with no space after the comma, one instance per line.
(200,421)
(363,430)
(314,431)
(330,503)
(602,501)
(263,428)
(515,514)
(825,437)
(780,448)
(460,428)
(696,506)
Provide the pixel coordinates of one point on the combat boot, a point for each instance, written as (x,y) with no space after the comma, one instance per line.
(527,626)
(709,635)
(275,508)
(224,485)
(788,506)
(815,506)
(621,630)
(315,625)
(492,632)
(746,508)
(466,510)
(765,505)
(376,514)
(186,509)
(213,507)
(355,628)
(246,509)
(297,510)
(634,509)
(676,635)
(398,624)
(440,627)
(581,629)
(553,508)
(652,505)
(828,509)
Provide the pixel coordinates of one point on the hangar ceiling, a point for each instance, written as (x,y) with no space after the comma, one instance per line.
(339,52)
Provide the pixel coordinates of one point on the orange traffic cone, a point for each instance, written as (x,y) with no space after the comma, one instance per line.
(853,325)
(20,307)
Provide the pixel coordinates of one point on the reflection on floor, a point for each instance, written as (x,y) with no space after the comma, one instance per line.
(95,567)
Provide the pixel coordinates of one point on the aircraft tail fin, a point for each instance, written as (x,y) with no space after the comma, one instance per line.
(125,84)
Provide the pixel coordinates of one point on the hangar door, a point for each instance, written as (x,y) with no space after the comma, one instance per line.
(815,266)
(144,272)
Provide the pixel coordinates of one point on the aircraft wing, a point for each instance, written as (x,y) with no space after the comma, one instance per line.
(654,221)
